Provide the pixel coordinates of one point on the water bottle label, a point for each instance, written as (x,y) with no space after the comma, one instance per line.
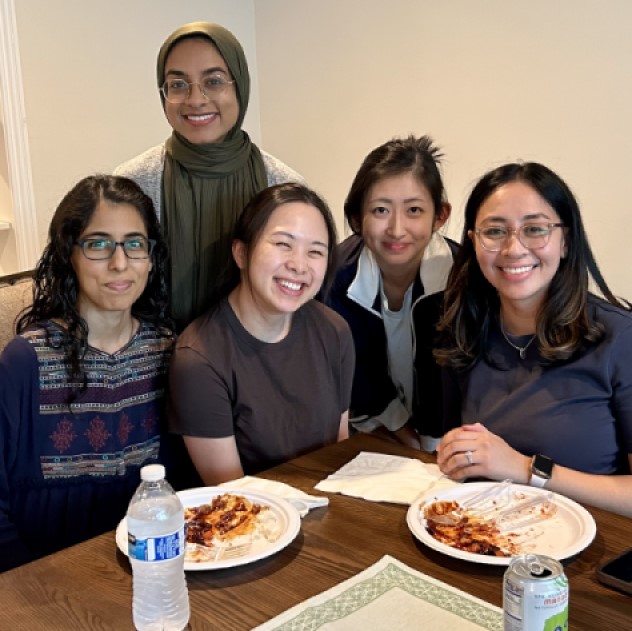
(156,548)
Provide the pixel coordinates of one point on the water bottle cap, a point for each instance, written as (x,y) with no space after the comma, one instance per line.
(152,472)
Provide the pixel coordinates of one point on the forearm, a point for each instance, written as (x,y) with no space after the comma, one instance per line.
(343,430)
(408,436)
(215,459)
(610,492)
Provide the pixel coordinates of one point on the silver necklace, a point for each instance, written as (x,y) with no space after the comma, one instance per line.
(521,349)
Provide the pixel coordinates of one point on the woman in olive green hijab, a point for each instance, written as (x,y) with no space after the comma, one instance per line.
(201,178)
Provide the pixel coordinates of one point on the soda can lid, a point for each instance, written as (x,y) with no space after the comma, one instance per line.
(152,473)
(536,567)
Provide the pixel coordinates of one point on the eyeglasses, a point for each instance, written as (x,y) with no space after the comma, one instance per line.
(532,236)
(179,90)
(102,249)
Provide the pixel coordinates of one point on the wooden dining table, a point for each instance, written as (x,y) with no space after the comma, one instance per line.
(89,586)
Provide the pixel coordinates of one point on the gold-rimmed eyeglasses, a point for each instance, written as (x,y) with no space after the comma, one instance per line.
(98,249)
(179,90)
(532,236)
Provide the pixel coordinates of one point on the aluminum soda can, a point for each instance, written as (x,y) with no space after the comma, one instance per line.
(535,595)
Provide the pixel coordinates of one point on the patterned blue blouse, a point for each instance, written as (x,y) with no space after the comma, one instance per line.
(67,474)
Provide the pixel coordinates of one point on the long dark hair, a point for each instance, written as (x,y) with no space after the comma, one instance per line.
(419,156)
(56,288)
(252,223)
(564,324)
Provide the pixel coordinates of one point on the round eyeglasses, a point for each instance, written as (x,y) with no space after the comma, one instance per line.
(97,249)
(532,236)
(179,90)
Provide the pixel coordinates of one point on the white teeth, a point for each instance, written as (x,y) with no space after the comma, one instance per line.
(290,286)
(518,270)
(202,117)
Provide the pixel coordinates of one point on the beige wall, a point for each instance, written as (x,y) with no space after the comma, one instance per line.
(89,81)
(491,81)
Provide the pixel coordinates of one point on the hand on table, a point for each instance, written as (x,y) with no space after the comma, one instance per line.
(472,451)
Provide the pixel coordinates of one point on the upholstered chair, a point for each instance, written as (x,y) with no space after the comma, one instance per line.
(16,293)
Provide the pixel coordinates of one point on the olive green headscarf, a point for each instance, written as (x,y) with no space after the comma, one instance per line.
(205,187)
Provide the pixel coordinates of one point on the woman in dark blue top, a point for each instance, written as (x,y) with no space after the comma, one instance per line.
(538,370)
(81,385)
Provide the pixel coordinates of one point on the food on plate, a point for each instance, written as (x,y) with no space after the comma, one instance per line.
(492,523)
(228,521)
(467,531)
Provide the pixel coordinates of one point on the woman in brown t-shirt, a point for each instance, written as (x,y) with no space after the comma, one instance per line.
(266,374)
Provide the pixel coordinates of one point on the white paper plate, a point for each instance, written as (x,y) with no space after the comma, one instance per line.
(567,533)
(287,525)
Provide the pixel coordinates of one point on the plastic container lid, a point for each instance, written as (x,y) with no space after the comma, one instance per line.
(152,473)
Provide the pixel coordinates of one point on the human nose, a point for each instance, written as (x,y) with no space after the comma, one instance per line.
(395,224)
(297,262)
(196,94)
(118,260)
(513,244)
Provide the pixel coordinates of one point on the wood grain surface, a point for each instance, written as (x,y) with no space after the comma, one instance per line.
(88,587)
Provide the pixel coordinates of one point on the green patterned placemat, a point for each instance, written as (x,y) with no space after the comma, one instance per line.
(389,595)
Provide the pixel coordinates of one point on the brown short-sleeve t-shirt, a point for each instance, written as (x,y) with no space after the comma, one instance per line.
(278,399)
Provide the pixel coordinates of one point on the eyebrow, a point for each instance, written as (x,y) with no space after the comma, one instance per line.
(388,200)
(107,235)
(523,219)
(289,235)
(181,73)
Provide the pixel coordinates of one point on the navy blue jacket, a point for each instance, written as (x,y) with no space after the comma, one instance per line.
(356,296)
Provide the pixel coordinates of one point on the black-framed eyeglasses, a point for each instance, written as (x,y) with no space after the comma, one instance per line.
(532,236)
(179,90)
(98,249)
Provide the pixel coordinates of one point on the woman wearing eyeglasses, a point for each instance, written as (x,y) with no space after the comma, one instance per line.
(201,178)
(81,385)
(538,377)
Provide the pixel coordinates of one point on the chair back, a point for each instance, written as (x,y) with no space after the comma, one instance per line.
(16,293)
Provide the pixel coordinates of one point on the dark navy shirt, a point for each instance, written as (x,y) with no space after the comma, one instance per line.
(579,413)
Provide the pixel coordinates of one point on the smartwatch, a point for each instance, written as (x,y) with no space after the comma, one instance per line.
(541,470)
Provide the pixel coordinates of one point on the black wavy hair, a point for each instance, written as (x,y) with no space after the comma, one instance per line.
(56,288)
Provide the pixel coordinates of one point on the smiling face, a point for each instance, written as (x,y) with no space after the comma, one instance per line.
(398,219)
(199,119)
(286,266)
(521,276)
(113,284)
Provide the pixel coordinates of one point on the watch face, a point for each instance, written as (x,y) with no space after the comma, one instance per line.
(542,466)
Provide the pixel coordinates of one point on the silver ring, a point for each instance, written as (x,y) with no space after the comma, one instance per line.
(470,459)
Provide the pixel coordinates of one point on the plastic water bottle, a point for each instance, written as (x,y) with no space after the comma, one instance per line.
(156,542)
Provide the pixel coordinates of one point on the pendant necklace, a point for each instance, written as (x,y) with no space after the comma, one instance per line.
(521,349)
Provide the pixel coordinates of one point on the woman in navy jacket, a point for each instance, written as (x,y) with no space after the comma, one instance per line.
(389,285)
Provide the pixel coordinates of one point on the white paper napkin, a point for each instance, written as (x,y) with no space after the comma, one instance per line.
(300,500)
(384,478)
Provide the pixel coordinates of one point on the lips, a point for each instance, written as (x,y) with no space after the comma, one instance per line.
(290,286)
(119,286)
(515,271)
(395,246)
(200,119)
